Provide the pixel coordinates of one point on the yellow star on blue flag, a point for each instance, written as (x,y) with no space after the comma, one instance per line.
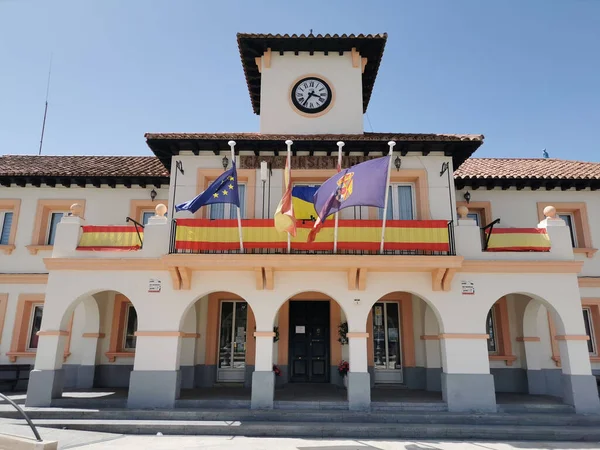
(223,190)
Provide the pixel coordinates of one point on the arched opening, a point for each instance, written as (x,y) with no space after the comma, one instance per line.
(308,347)
(524,351)
(99,349)
(217,348)
(403,349)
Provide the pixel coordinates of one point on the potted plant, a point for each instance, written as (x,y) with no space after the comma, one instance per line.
(343,368)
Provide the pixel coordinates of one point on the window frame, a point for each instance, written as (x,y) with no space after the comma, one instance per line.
(50,228)
(483,208)
(138,207)
(501,322)
(396,201)
(143,214)
(581,223)
(13,206)
(571,225)
(227,207)
(43,215)
(124,346)
(118,329)
(245,176)
(34,306)
(494,339)
(3,214)
(590,324)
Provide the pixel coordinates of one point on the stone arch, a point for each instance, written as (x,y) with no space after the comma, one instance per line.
(281,319)
(200,324)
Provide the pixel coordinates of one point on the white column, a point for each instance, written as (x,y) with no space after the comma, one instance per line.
(155,381)
(467,384)
(263,377)
(46,381)
(359,380)
(156,234)
(579,385)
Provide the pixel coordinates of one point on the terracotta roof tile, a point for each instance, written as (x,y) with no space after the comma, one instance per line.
(319,137)
(531,169)
(82,166)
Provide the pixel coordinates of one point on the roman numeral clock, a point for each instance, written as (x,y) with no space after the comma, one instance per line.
(311,95)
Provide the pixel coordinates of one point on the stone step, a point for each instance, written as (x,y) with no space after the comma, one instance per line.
(333,416)
(331,429)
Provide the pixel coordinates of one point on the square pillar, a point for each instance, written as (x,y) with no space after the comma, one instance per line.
(467,384)
(47,380)
(155,381)
(263,377)
(579,385)
(359,379)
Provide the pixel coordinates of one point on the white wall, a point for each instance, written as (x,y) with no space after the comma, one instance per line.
(104,206)
(277,114)
(519,209)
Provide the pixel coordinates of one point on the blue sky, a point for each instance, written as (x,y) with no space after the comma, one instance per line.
(522,72)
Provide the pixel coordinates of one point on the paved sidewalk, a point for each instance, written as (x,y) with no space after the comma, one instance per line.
(83,440)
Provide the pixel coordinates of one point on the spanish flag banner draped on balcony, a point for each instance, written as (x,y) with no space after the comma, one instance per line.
(285,220)
(110,238)
(361,185)
(518,240)
(205,235)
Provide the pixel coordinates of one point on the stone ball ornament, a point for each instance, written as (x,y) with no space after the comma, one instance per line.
(160,210)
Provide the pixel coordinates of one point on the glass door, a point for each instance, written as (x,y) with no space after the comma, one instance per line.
(232,342)
(386,341)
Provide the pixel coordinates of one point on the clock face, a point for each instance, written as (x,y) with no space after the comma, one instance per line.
(311,95)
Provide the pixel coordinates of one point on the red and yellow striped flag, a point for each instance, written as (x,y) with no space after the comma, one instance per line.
(518,240)
(110,238)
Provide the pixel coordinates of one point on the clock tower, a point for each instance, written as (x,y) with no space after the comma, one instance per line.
(310,84)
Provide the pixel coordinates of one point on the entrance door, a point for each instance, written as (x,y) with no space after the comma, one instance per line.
(232,342)
(309,342)
(386,342)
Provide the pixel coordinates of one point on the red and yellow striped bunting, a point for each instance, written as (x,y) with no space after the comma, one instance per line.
(110,238)
(518,240)
(216,235)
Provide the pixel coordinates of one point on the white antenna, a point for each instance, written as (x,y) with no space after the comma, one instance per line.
(46,107)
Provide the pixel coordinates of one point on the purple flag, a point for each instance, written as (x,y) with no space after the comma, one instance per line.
(360,185)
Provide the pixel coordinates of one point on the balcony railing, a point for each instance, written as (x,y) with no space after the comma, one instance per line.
(355,237)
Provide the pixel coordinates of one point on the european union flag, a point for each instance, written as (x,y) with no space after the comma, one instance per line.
(223,190)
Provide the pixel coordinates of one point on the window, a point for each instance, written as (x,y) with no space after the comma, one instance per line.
(386,336)
(232,341)
(476,217)
(570,222)
(35,325)
(490,329)
(9,214)
(228,210)
(589,330)
(55,219)
(129,339)
(6,219)
(47,217)
(576,218)
(146,216)
(400,202)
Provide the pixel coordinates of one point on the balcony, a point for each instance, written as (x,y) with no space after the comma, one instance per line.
(355,237)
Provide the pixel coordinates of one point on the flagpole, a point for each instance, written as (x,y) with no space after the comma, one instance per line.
(289,167)
(340,144)
(387,193)
(239,214)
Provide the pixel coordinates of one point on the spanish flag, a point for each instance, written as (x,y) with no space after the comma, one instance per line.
(285,220)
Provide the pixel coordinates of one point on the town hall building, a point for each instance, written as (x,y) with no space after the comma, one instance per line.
(488,282)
